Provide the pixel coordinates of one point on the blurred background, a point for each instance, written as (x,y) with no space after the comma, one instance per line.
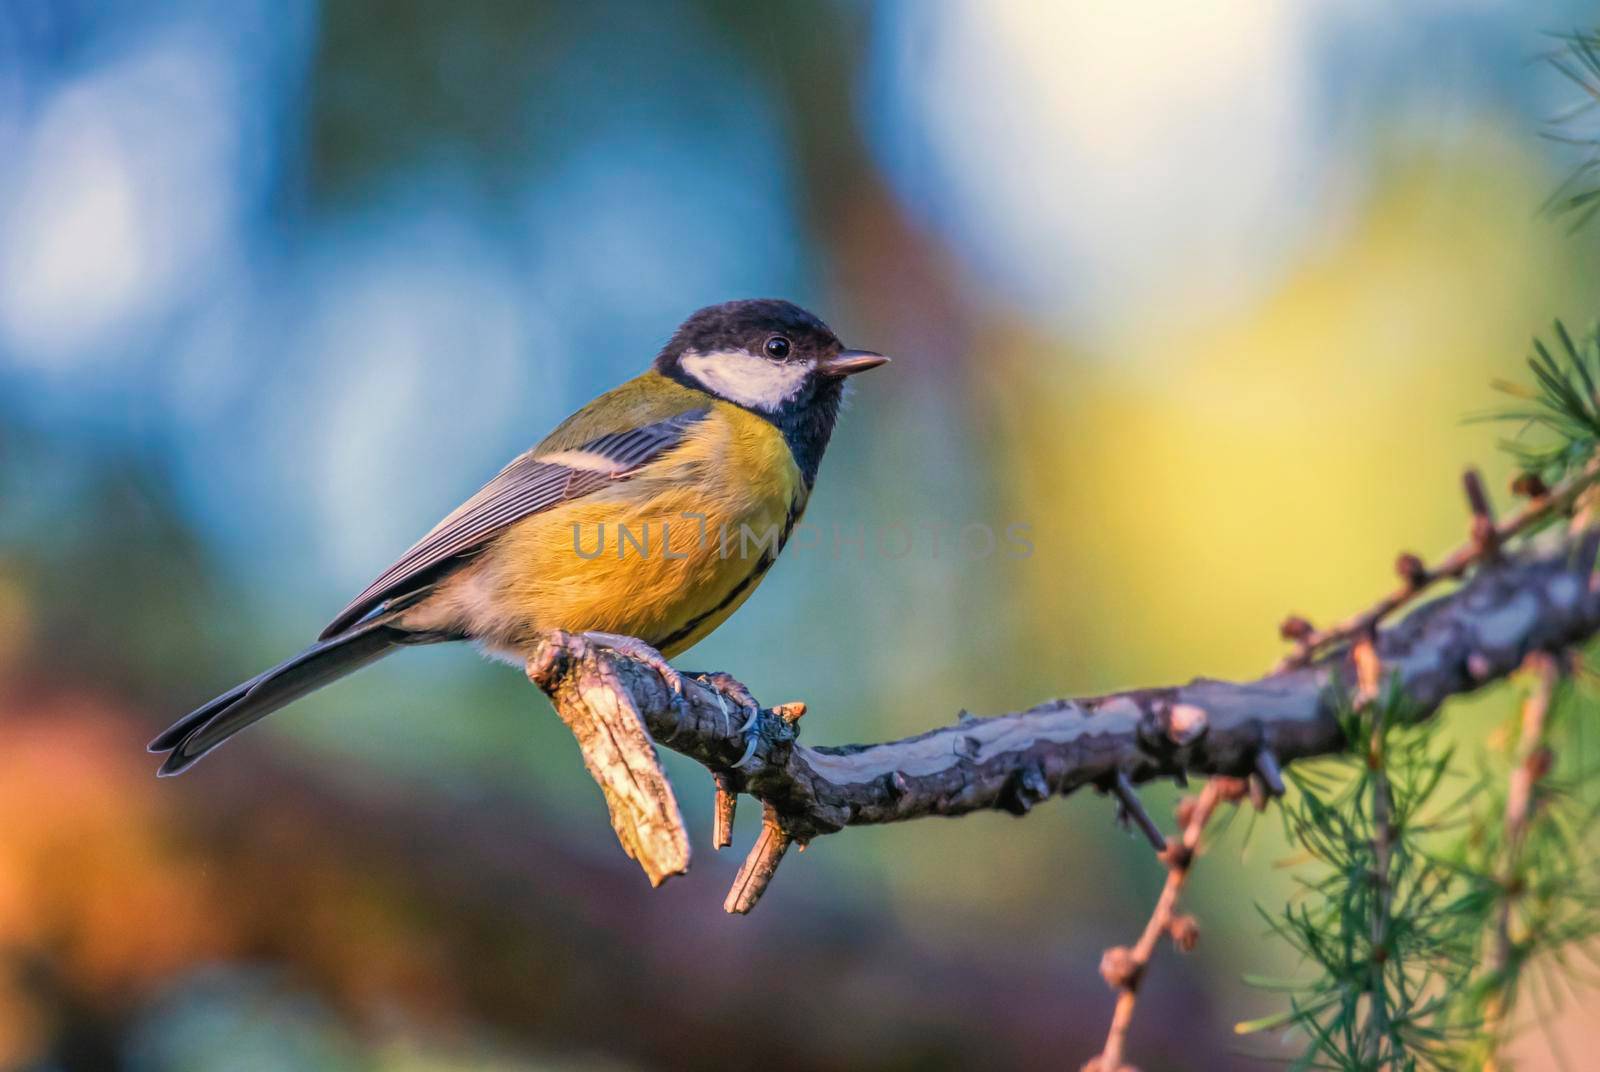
(1199,292)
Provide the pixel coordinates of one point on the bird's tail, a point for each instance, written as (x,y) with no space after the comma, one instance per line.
(202,729)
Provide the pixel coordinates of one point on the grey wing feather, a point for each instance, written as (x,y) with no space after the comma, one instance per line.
(526,486)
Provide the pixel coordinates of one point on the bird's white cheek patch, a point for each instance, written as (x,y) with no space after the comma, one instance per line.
(746,379)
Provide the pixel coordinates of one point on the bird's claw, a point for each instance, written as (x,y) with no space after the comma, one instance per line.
(726,688)
(750,723)
(749,750)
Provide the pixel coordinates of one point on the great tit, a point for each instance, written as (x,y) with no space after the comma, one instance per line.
(643,521)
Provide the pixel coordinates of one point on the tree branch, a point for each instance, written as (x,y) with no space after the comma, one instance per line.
(1533,763)
(1538,600)
(1383,837)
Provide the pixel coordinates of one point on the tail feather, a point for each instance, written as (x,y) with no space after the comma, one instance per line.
(202,729)
(174,734)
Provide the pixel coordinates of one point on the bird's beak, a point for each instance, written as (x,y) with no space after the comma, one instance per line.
(850,362)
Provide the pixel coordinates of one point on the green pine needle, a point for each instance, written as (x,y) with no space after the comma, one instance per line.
(1578,61)
(1559,414)
(1420,997)
(1383,961)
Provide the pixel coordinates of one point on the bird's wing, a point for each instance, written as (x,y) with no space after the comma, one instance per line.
(533,482)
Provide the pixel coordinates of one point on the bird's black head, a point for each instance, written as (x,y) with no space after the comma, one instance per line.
(774,359)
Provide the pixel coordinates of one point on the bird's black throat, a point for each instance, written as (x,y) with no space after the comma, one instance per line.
(807,424)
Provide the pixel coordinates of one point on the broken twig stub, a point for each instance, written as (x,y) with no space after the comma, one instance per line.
(619,754)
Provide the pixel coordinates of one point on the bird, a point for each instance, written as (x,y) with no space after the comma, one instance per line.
(699,468)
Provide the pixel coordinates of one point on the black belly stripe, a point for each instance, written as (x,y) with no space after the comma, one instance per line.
(694,623)
(764,563)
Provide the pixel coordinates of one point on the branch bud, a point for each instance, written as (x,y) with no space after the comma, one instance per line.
(1295,628)
(1185,931)
(1119,969)
(1529,486)
(1411,570)
(1177,855)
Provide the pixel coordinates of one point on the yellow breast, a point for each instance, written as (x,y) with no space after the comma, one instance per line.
(665,555)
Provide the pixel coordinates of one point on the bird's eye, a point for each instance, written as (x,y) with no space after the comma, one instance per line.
(778,347)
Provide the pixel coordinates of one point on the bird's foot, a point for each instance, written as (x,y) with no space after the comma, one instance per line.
(637,650)
(729,689)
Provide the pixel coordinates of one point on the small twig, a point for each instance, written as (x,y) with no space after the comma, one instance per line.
(1533,763)
(619,754)
(1271,772)
(1484,536)
(1382,848)
(1369,669)
(1122,967)
(759,867)
(726,803)
(1533,759)
(1487,539)
(1130,808)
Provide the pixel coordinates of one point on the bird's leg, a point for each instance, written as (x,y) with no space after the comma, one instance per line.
(637,650)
